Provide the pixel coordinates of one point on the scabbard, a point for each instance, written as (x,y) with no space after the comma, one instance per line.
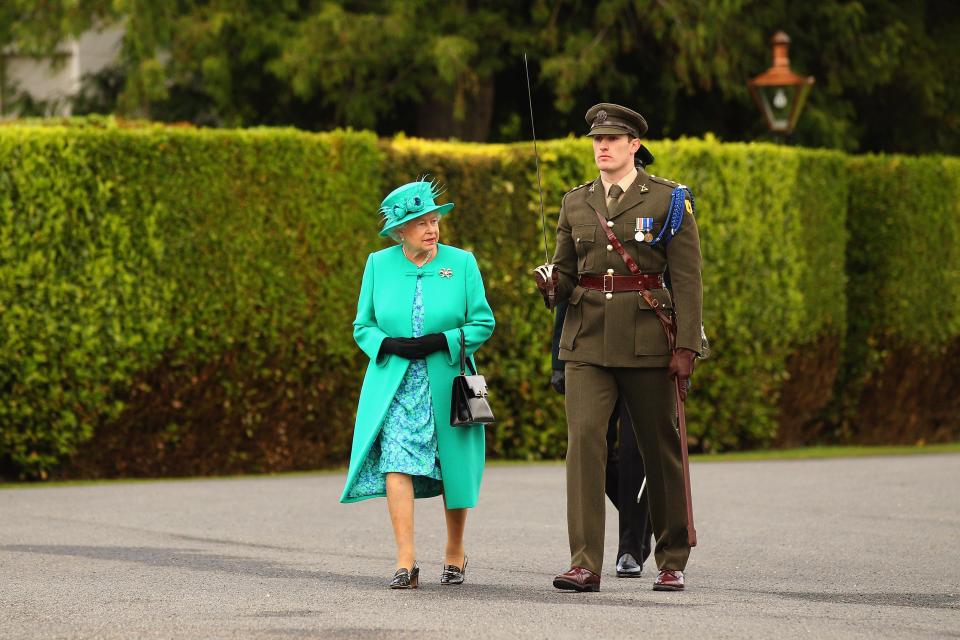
(685,458)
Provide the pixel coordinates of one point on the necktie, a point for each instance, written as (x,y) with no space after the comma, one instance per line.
(614,195)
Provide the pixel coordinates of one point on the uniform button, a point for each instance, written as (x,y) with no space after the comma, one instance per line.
(609,296)
(609,247)
(609,223)
(610,272)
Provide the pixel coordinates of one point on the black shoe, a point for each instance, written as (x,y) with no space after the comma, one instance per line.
(404,579)
(452,574)
(628,567)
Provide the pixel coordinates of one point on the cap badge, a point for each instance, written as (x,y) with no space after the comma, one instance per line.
(601,116)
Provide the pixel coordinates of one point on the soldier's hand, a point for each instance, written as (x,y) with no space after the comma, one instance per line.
(558,381)
(681,368)
(546,277)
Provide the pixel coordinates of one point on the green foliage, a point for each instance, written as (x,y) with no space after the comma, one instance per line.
(79,304)
(886,78)
(771,219)
(904,297)
(889,287)
(178,301)
(172,284)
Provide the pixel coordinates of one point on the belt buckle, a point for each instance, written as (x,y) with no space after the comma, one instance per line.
(605,289)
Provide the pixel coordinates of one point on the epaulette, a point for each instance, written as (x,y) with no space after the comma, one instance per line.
(580,186)
(665,181)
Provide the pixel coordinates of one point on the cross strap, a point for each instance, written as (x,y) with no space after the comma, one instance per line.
(612,238)
(666,321)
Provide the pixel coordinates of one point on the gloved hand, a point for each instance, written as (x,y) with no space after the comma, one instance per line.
(547,278)
(397,346)
(430,343)
(414,348)
(681,368)
(558,381)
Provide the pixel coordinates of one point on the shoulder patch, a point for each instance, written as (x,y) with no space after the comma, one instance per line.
(665,181)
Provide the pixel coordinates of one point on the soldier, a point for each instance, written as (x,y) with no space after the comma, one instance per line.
(615,238)
(624,476)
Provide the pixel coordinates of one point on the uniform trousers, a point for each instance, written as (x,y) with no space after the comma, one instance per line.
(650,399)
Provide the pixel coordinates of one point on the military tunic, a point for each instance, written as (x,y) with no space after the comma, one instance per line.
(597,330)
(614,346)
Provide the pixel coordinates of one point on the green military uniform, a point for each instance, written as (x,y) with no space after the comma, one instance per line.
(614,346)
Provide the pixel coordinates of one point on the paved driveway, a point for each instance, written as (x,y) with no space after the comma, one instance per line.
(856,548)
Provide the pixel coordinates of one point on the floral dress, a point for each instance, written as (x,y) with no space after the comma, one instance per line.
(407,442)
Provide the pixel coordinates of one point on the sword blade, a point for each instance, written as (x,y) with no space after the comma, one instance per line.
(536,154)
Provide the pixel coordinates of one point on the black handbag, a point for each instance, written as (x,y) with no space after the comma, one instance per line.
(468,405)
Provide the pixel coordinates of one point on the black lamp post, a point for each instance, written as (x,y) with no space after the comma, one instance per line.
(779,92)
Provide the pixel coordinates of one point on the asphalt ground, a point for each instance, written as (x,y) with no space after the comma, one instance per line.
(841,548)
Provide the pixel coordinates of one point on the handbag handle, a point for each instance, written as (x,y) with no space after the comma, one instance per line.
(463,355)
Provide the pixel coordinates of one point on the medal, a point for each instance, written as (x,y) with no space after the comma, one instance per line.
(644,230)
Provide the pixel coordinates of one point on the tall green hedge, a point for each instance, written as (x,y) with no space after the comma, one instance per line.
(901,380)
(772,220)
(175,301)
(184,297)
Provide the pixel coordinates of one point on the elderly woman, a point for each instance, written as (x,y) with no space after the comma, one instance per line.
(415,299)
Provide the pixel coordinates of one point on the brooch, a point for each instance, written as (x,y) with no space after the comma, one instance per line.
(446,273)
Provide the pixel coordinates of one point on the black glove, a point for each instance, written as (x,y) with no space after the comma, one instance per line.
(396,346)
(430,343)
(558,381)
(414,348)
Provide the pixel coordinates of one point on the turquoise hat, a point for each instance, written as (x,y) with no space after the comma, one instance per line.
(410,201)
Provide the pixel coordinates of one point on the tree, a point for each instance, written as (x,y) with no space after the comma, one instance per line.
(884,68)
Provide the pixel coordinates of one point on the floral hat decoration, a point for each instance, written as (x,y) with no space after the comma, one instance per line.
(410,201)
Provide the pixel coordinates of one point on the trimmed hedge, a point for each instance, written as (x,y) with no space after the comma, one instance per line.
(771,220)
(177,301)
(184,297)
(901,381)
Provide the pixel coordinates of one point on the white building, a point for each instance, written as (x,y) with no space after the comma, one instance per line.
(54,80)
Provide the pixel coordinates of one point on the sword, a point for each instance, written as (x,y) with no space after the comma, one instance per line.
(546,270)
(533,129)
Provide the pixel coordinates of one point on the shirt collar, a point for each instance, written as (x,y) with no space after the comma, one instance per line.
(624,182)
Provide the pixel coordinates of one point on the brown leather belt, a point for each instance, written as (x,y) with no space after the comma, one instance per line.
(613,284)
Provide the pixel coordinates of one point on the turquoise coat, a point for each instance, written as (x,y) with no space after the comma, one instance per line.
(453,298)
